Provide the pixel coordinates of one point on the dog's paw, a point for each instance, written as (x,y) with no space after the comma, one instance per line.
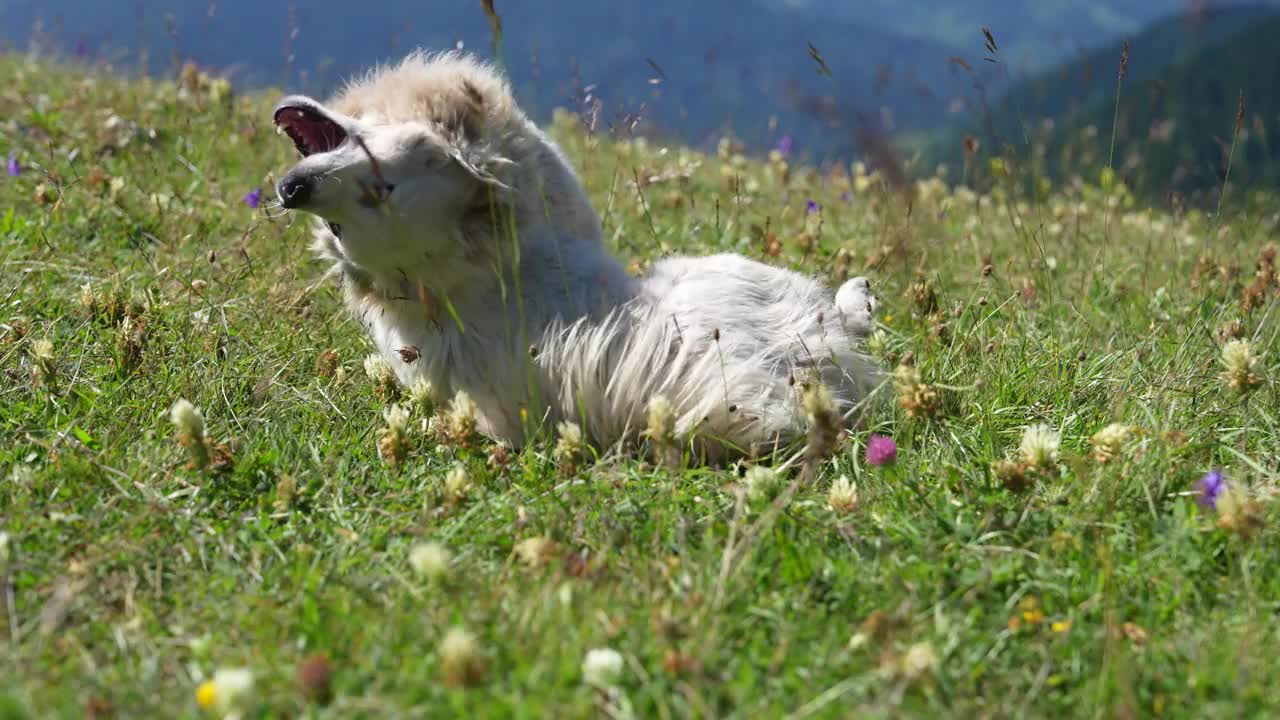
(857,306)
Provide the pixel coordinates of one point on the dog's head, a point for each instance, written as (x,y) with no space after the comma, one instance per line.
(393,193)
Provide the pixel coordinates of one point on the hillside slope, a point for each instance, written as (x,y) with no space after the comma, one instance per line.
(1177,106)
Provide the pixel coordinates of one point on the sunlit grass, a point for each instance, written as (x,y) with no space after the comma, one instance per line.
(976,573)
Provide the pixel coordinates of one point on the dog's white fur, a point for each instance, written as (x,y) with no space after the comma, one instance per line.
(488,258)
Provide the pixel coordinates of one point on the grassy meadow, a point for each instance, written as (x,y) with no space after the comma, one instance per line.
(1076,570)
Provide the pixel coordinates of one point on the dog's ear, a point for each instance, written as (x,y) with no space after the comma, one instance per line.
(462,121)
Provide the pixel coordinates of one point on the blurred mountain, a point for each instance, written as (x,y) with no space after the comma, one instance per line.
(830,75)
(1176,112)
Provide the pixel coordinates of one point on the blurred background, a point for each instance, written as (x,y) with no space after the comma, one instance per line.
(825,81)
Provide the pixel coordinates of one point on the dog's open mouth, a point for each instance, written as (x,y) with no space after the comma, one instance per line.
(309,129)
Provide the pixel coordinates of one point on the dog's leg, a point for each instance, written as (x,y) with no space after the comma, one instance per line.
(857,306)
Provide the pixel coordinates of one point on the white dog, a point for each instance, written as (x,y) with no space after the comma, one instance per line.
(463,237)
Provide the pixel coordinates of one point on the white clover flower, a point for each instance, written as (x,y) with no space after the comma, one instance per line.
(228,690)
(843,495)
(1240,366)
(461,421)
(602,667)
(569,445)
(1039,447)
(42,349)
(378,369)
(535,551)
(878,342)
(1109,441)
(919,660)
(397,420)
(762,483)
(421,394)
(457,482)
(430,560)
(661,419)
(817,401)
(461,658)
(187,418)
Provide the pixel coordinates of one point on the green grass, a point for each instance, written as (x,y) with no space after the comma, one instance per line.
(129,577)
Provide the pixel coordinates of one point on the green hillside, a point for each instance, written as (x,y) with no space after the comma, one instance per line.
(1175,120)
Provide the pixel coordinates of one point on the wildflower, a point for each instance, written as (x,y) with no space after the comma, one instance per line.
(1238,513)
(394,443)
(762,483)
(784,145)
(661,431)
(824,423)
(1240,366)
(535,551)
(602,667)
(1012,475)
(457,483)
(1032,614)
(916,397)
(1060,626)
(227,690)
(253,197)
(314,675)
(45,363)
(430,560)
(1108,442)
(422,395)
(327,363)
(843,495)
(918,661)
(569,446)
(189,422)
(460,422)
(1039,446)
(383,377)
(881,450)
(878,343)
(461,660)
(15,168)
(1210,488)
(812,207)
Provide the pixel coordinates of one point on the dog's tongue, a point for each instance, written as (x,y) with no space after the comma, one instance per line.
(310,131)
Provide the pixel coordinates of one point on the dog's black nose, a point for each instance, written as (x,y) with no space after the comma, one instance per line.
(294,190)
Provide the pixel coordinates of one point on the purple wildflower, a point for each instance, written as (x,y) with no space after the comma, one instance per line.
(253,198)
(881,450)
(15,169)
(813,207)
(846,196)
(1210,487)
(82,48)
(784,145)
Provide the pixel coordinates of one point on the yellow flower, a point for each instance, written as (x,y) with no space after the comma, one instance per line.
(1061,626)
(227,690)
(205,694)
